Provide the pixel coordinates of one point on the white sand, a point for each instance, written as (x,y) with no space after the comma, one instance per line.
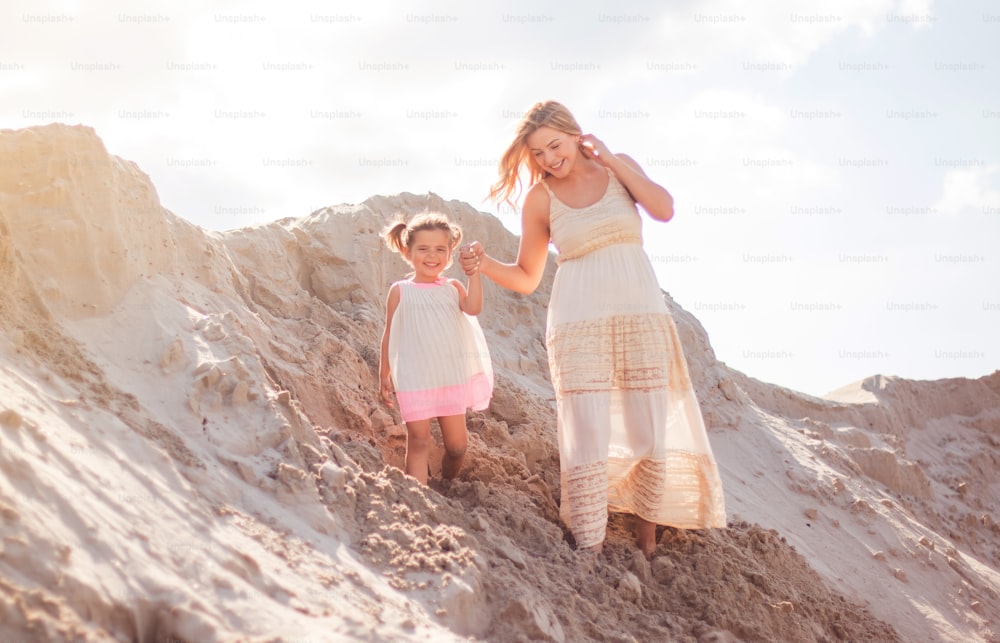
(191,447)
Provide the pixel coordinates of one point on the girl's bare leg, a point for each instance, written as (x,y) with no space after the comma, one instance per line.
(418,447)
(456,440)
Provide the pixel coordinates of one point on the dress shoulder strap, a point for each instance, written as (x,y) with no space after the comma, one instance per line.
(403,285)
(612,177)
(615,185)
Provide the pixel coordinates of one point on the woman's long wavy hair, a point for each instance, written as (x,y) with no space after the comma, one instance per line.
(549,113)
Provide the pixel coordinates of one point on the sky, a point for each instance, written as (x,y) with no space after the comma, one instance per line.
(835,168)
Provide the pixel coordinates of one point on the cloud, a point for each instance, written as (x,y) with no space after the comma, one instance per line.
(973,189)
(783,32)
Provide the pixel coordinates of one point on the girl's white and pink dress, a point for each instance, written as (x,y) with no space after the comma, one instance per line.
(438,358)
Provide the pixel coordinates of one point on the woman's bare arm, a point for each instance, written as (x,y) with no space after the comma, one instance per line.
(653,197)
(525,274)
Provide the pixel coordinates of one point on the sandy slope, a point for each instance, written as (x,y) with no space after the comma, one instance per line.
(191,447)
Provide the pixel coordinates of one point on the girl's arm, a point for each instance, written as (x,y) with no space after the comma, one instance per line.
(471,301)
(525,274)
(385,378)
(653,198)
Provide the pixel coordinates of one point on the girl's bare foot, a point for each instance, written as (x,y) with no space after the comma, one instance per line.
(645,537)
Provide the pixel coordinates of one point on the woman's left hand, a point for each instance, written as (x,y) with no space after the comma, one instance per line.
(594,149)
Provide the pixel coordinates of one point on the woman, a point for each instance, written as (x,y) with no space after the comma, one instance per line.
(631,435)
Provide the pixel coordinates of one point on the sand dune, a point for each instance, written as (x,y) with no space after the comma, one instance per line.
(191,448)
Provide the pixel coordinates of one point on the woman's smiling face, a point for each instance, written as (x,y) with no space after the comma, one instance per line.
(552,150)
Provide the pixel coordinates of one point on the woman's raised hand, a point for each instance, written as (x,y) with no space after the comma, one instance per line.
(470,256)
(594,148)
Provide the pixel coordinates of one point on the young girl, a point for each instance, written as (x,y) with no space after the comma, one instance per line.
(434,357)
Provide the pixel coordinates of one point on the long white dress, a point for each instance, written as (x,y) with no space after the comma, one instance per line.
(438,358)
(631,435)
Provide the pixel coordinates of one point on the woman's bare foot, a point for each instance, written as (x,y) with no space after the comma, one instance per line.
(645,537)
(588,558)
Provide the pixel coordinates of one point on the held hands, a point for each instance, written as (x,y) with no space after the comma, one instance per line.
(594,149)
(470,257)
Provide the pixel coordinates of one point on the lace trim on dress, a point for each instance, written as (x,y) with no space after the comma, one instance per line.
(601,240)
(602,233)
(585,502)
(674,490)
(633,352)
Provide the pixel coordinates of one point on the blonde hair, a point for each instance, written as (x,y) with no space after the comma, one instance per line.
(399,234)
(545,114)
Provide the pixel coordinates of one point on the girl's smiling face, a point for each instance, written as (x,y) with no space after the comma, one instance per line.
(429,253)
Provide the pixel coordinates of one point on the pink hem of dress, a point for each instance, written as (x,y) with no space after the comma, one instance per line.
(446,400)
